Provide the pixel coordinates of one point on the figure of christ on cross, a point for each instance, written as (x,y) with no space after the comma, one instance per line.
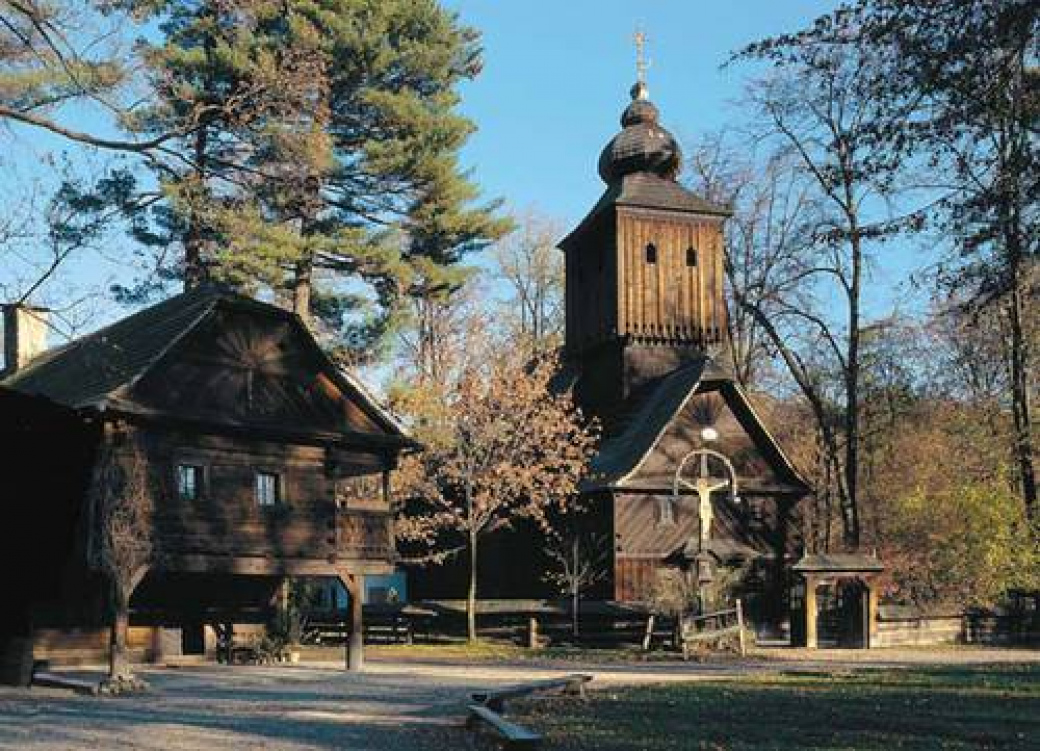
(704,485)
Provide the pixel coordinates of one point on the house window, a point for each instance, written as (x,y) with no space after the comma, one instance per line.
(651,253)
(268,490)
(189,481)
(691,256)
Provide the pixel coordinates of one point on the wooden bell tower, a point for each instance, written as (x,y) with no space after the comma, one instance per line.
(644,269)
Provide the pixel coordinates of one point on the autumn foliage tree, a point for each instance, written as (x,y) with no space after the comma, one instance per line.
(500,446)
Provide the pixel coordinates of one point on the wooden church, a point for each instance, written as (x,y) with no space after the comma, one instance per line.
(645,350)
(646,337)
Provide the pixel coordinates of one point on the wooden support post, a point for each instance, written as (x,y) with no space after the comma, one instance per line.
(740,627)
(871,635)
(532,633)
(648,638)
(355,651)
(810,612)
(229,643)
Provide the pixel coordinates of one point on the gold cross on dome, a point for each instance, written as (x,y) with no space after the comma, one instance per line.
(642,61)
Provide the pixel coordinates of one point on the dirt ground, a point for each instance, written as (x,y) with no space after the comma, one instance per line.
(402,702)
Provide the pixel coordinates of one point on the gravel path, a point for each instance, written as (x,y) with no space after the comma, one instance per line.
(400,705)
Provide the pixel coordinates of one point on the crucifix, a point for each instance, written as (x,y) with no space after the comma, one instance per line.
(642,62)
(704,485)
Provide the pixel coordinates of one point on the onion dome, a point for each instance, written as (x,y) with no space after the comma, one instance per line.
(642,145)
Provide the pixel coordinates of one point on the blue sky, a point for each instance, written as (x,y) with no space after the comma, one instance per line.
(555,80)
(557,75)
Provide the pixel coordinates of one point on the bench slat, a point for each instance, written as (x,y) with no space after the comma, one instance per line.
(496,697)
(515,735)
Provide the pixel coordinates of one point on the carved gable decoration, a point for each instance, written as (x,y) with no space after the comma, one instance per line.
(667,423)
(247,367)
(740,437)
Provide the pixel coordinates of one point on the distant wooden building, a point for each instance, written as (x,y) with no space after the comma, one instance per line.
(646,337)
(267,461)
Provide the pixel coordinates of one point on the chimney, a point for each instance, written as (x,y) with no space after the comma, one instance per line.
(25,334)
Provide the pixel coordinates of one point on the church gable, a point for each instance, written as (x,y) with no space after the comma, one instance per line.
(757,459)
(253,367)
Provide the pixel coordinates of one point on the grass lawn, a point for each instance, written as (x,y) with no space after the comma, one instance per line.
(948,708)
(499,651)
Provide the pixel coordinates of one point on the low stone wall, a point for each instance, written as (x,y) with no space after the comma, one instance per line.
(901,627)
(905,626)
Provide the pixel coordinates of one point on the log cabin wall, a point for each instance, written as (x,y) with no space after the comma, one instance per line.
(331,506)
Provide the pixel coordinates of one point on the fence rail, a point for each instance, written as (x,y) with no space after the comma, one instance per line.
(710,627)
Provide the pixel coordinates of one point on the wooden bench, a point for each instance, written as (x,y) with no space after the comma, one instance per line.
(568,684)
(512,735)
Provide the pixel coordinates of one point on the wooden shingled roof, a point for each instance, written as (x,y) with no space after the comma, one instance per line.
(647,191)
(835,563)
(647,419)
(85,372)
(94,371)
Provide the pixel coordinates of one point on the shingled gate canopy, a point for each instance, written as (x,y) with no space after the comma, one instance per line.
(853,575)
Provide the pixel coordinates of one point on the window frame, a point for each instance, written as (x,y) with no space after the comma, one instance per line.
(201,482)
(278,487)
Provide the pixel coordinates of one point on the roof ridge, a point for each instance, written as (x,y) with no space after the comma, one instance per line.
(49,355)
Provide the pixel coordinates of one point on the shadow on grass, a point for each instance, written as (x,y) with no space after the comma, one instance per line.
(918,709)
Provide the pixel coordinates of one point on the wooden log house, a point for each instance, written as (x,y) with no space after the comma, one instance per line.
(267,462)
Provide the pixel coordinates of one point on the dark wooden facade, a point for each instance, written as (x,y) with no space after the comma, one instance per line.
(234,389)
(648,275)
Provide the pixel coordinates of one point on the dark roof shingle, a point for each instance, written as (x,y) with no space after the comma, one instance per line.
(87,371)
(96,369)
(647,191)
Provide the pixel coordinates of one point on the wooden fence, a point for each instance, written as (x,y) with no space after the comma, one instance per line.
(712,628)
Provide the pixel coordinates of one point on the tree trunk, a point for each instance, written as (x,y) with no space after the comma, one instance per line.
(851,516)
(471,595)
(303,274)
(194,264)
(118,658)
(1020,406)
(575,589)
